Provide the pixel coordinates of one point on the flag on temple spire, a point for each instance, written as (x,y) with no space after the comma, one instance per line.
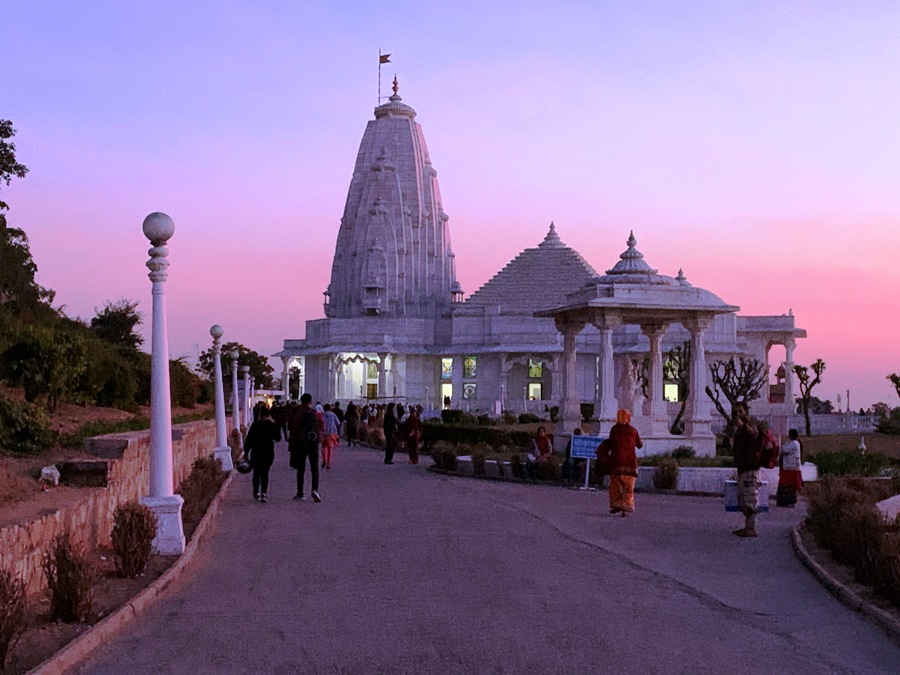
(384,58)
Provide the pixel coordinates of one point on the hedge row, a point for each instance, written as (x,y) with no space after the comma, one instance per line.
(473,434)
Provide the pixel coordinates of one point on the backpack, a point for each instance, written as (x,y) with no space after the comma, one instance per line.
(769,451)
(309,426)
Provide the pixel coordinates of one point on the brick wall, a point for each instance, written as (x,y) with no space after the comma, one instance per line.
(90,520)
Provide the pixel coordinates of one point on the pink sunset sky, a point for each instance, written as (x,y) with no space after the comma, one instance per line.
(755,145)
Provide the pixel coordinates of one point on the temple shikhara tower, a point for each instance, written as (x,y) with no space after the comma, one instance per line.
(546,330)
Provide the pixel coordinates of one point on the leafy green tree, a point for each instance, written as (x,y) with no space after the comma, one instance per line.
(807,381)
(46,361)
(184,383)
(117,323)
(260,369)
(895,380)
(740,382)
(9,167)
(20,295)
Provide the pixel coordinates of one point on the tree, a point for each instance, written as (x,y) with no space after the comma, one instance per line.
(677,369)
(117,323)
(19,294)
(895,380)
(807,382)
(9,167)
(46,361)
(260,369)
(739,382)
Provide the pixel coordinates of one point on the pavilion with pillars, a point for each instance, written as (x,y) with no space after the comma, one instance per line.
(546,330)
(632,294)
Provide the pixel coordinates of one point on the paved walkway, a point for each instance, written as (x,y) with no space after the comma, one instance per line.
(403,571)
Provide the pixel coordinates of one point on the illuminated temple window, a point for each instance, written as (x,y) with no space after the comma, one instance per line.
(470,366)
(372,370)
(446,368)
(470,391)
(535,369)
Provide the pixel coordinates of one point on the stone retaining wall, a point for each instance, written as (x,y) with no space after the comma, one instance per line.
(90,520)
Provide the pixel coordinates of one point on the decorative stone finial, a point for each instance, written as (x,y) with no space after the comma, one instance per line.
(632,260)
(396,85)
(158,228)
(552,239)
(216,332)
(680,276)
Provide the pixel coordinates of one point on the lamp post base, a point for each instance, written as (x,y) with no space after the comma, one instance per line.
(169,538)
(223,454)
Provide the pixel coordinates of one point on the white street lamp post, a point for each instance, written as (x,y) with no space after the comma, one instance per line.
(245,391)
(162,500)
(235,399)
(222,451)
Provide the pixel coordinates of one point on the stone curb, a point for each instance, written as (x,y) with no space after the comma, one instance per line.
(884,620)
(77,650)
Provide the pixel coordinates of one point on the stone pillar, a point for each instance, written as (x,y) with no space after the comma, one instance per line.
(235,396)
(286,377)
(609,404)
(245,398)
(162,500)
(790,405)
(659,416)
(250,401)
(222,451)
(570,405)
(456,379)
(382,374)
(697,424)
(341,381)
(504,380)
(556,385)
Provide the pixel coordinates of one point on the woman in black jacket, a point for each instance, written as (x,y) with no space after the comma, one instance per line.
(260,448)
(391,427)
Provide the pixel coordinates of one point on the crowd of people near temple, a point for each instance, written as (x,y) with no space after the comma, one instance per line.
(313,431)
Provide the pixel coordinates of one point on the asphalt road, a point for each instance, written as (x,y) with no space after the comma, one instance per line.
(403,571)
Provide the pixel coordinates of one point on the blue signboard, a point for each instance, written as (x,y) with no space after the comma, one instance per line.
(585,447)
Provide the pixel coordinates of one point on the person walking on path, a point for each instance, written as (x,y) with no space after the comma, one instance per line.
(747,445)
(260,448)
(790,480)
(351,423)
(618,453)
(391,428)
(412,433)
(331,437)
(305,427)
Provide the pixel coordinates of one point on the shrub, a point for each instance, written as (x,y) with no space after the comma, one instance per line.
(457,434)
(890,424)
(24,428)
(843,519)
(452,416)
(200,486)
(485,420)
(478,463)
(666,475)
(587,412)
(71,576)
(132,537)
(509,417)
(683,452)
(444,458)
(13,604)
(548,469)
(850,463)
(554,413)
(528,418)
(517,466)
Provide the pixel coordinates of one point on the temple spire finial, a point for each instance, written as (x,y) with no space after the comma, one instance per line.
(552,239)
(396,84)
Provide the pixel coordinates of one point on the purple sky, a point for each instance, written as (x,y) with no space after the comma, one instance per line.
(756,145)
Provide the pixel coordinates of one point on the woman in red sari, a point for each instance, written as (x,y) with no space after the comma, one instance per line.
(618,454)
